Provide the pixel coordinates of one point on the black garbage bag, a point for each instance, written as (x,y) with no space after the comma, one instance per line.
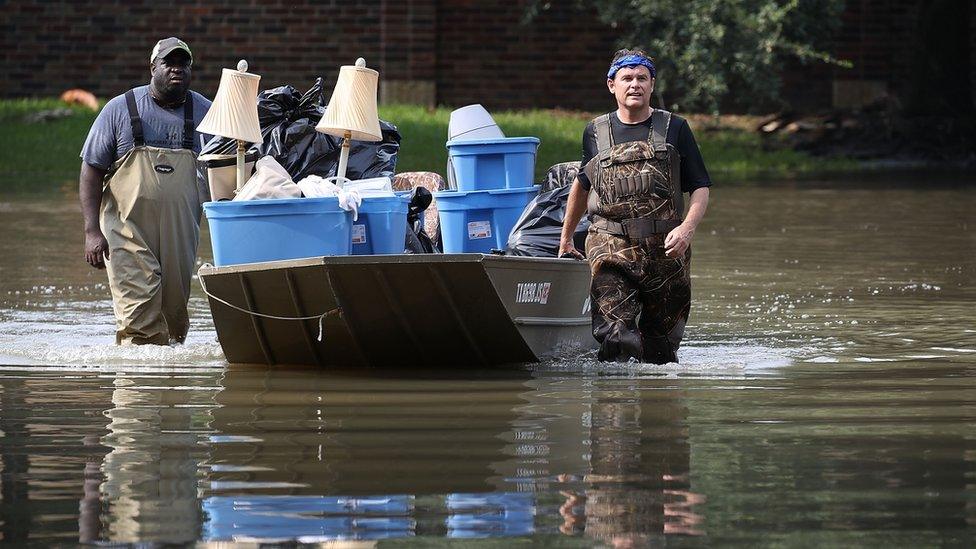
(288,122)
(418,241)
(537,231)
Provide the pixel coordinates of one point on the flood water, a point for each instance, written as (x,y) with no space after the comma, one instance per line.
(826,396)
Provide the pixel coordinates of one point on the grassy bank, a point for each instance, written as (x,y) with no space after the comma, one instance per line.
(42,154)
(39,154)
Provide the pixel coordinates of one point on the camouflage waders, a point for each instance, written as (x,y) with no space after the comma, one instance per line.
(640,298)
(560,175)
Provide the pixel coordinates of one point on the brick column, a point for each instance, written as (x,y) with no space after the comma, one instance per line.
(408,51)
(972,52)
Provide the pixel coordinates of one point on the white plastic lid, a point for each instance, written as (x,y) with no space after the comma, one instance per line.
(472,122)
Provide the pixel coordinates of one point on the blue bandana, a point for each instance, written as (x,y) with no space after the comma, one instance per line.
(631,61)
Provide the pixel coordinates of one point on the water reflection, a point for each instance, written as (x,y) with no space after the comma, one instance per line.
(300,455)
(848,454)
(155,449)
(316,457)
(617,460)
(638,484)
(48,442)
(456,458)
(308,519)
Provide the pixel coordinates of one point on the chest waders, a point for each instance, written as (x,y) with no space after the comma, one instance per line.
(150,216)
(641,298)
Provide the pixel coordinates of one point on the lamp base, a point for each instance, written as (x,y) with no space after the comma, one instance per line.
(240,164)
(344,156)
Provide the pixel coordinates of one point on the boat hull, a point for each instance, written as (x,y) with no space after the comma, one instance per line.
(443,310)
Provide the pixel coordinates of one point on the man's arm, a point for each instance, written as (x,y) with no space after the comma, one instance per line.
(90,191)
(679,239)
(574,212)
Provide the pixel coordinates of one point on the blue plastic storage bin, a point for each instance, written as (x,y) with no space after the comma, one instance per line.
(381,227)
(477,221)
(485,164)
(251,231)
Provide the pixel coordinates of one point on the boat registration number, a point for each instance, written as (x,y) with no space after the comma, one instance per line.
(533,292)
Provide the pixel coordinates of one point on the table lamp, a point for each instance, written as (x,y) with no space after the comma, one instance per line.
(234,112)
(351,113)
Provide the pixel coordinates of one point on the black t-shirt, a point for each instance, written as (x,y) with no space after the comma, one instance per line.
(693,172)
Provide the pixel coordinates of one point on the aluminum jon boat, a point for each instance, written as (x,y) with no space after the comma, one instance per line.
(457,310)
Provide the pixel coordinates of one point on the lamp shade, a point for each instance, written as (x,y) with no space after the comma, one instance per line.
(234,112)
(353,105)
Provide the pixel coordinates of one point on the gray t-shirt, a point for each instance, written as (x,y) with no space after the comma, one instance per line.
(110,137)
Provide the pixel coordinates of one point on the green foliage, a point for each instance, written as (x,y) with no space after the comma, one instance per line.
(39,154)
(43,155)
(714,52)
(739,155)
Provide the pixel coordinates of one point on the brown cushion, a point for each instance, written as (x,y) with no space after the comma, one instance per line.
(431,181)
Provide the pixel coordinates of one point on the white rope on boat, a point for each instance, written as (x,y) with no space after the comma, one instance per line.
(321,317)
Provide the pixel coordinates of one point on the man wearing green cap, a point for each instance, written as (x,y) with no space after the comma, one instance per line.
(141,192)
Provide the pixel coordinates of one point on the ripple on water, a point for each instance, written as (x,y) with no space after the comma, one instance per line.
(75,337)
(699,359)
(955,349)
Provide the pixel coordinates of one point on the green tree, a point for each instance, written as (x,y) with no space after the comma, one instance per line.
(711,53)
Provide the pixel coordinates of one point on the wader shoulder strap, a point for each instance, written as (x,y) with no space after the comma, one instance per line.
(660,120)
(604,137)
(138,138)
(188,122)
(661,127)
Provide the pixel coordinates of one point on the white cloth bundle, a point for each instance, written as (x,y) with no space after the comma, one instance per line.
(375,186)
(314,186)
(270,180)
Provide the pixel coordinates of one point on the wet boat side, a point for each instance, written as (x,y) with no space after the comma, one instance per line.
(457,310)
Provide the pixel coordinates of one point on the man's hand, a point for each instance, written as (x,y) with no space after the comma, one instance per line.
(678,241)
(567,247)
(575,206)
(96,248)
(90,193)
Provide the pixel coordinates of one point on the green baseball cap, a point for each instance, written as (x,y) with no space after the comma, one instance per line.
(166,46)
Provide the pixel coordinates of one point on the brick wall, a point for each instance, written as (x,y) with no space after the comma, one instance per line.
(408,57)
(103,46)
(450,52)
(455,51)
(972,51)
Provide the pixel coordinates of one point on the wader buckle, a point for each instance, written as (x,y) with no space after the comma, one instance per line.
(635,227)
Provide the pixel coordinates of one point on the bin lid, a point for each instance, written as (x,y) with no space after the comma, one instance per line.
(231,208)
(472,122)
(498,141)
(534,189)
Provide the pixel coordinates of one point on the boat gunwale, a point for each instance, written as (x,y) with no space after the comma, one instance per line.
(207,269)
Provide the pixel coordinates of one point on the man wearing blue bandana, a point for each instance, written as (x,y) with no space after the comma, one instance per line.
(637,164)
